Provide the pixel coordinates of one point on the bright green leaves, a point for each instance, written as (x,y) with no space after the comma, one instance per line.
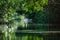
(9,15)
(38,7)
(9,8)
(44,2)
(33,6)
(24,7)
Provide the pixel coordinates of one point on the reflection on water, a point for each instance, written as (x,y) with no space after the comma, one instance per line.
(33,36)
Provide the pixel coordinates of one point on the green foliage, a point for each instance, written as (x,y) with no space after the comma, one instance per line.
(32,5)
(9,7)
